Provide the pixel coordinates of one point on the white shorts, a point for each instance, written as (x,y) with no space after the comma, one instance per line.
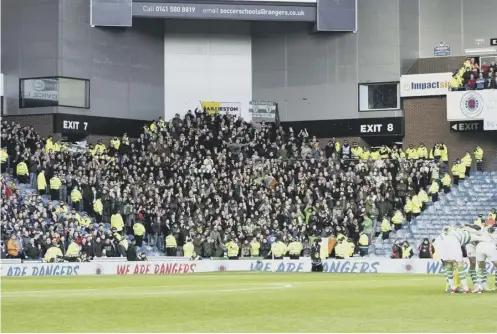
(486,251)
(448,248)
(471,250)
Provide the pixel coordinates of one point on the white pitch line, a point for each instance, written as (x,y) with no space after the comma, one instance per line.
(364,280)
(68,279)
(139,287)
(115,291)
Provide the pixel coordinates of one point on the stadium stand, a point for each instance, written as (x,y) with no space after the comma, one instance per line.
(472,76)
(214,186)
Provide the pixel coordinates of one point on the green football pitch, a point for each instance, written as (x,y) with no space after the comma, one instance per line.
(243,302)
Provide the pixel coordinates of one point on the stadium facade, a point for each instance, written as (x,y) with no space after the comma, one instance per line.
(306,55)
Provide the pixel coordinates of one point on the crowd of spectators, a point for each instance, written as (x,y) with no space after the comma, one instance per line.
(201,183)
(473,76)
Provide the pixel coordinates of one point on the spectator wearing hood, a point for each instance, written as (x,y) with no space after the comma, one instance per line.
(425,250)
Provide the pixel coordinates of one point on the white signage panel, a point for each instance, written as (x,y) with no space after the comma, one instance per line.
(473,105)
(432,84)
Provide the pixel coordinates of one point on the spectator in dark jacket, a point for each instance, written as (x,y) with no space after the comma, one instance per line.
(265,248)
(98,246)
(208,247)
(109,249)
(31,252)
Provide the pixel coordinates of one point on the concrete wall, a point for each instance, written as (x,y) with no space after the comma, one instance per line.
(409,33)
(457,23)
(29,45)
(316,76)
(54,38)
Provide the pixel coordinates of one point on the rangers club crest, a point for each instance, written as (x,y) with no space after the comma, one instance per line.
(472,104)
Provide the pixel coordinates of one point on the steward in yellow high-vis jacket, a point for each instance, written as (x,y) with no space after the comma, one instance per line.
(350,247)
(139,231)
(446,183)
(255,247)
(55,185)
(384,152)
(341,250)
(478,152)
(445,153)
(76,198)
(116,221)
(479,221)
(363,244)
(374,155)
(436,152)
(455,172)
(49,144)
(434,190)
(115,143)
(41,183)
(294,249)
(386,228)
(461,169)
(398,154)
(412,153)
(416,205)
(423,197)
(232,250)
(171,245)
(98,208)
(365,155)
(4,158)
(356,151)
(52,254)
(72,252)
(467,161)
(22,172)
(99,148)
(85,221)
(397,220)
(422,151)
(278,249)
(408,209)
(188,249)
(407,251)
